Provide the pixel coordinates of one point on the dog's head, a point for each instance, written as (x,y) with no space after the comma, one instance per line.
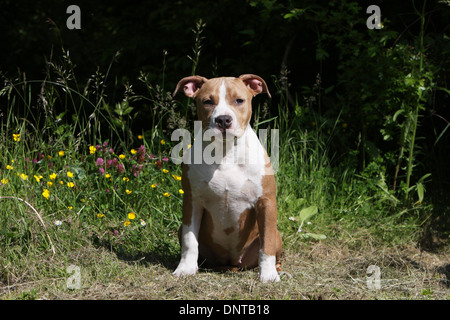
(224,105)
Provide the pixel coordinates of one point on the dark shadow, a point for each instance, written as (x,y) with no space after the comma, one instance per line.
(162,254)
(435,233)
(445,270)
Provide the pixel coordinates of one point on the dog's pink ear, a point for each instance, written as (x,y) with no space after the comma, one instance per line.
(255,83)
(190,85)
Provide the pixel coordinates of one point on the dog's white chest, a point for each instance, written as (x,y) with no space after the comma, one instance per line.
(226,192)
(228,189)
(234,179)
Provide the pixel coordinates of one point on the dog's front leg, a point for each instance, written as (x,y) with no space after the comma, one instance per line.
(270,239)
(270,247)
(192,217)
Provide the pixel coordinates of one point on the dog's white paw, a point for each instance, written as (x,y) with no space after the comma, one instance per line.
(267,269)
(185,270)
(269,276)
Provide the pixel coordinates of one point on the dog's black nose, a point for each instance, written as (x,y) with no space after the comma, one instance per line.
(224,122)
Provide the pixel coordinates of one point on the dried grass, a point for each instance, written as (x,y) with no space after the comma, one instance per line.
(321,270)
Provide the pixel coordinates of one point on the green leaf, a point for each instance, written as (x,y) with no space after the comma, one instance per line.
(294,13)
(409,80)
(60,116)
(307,213)
(424,177)
(264,121)
(314,236)
(296,204)
(442,133)
(299,202)
(123,108)
(399,112)
(420,191)
(80,173)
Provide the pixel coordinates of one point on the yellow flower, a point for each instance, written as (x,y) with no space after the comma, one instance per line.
(38,178)
(165,170)
(166,194)
(24,176)
(107,176)
(126,179)
(53,176)
(178,178)
(92,149)
(61,153)
(69,207)
(8,167)
(140,137)
(49,157)
(69,174)
(4,181)
(126,223)
(49,183)
(133,151)
(100,215)
(16,137)
(122,156)
(131,216)
(153,186)
(163,141)
(181,191)
(46,193)
(128,191)
(61,182)
(70,184)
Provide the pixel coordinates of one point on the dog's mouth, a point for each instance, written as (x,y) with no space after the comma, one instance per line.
(223,126)
(224,134)
(224,131)
(225,138)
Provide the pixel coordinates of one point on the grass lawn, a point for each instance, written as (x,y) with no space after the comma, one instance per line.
(316,271)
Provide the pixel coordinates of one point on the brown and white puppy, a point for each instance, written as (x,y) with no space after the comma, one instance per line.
(229,205)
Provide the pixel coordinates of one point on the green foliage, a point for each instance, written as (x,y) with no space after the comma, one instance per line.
(85,186)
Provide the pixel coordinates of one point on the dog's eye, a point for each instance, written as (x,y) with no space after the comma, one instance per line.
(208,102)
(239,101)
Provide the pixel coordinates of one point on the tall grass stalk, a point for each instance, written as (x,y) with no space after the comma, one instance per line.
(198,30)
(418,106)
